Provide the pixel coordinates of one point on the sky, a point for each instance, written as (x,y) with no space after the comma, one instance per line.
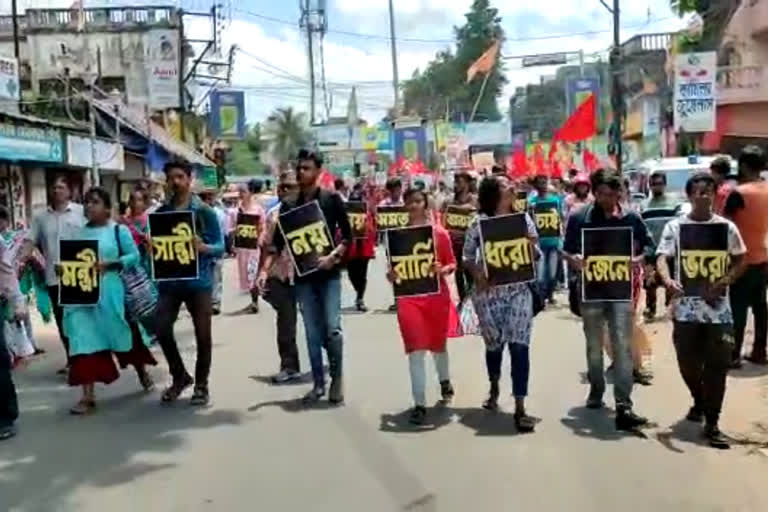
(272,67)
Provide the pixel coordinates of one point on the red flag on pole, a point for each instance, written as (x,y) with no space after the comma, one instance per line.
(539,165)
(591,163)
(581,125)
(519,164)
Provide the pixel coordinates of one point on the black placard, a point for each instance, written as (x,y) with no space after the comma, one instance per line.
(703,257)
(80,280)
(357,213)
(247,231)
(174,255)
(656,219)
(411,253)
(388,217)
(521,201)
(607,274)
(457,218)
(507,252)
(547,219)
(307,236)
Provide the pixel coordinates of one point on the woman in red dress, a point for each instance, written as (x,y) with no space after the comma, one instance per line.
(426,321)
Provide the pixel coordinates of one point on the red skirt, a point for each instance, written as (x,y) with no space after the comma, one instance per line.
(427,322)
(100,366)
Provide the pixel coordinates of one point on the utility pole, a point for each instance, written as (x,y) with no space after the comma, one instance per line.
(182,105)
(311,67)
(395,79)
(16,51)
(617,100)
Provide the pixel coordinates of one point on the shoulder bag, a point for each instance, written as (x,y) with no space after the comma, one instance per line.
(140,291)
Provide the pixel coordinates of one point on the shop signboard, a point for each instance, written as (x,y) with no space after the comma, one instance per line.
(162,66)
(28,143)
(694,93)
(228,114)
(109,155)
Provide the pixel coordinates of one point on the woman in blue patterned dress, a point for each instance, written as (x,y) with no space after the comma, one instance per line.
(505,312)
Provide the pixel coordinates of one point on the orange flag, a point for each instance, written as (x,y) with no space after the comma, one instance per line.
(485,63)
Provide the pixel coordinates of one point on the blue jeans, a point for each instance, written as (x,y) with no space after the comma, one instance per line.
(520,365)
(547,270)
(320,304)
(618,317)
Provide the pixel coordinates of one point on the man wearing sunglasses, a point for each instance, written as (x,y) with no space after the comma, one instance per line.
(319,293)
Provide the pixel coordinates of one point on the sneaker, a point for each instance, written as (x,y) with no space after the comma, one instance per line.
(360,306)
(716,438)
(314,396)
(7,432)
(418,415)
(285,376)
(336,391)
(595,401)
(695,415)
(200,396)
(628,421)
(446,391)
(642,378)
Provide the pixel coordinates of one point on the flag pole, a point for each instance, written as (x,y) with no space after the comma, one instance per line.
(479,96)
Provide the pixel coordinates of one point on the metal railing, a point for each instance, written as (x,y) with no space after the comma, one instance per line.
(103,18)
(646,43)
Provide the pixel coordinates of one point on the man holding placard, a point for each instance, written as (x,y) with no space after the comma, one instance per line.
(607,294)
(457,215)
(206,242)
(709,255)
(548,213)
(306,226)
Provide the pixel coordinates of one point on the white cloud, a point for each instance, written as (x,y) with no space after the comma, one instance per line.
(280,50)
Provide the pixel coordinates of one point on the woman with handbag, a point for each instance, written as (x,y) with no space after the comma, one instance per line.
(96,333)
(505,313)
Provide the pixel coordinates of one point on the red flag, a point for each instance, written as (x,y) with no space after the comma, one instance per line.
(520,168)
(539,165)
(326,180)
(591,163)
(557,170)
(581,125)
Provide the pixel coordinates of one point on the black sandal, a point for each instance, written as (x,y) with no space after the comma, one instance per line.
(172,393)
(524,423)
(200,396)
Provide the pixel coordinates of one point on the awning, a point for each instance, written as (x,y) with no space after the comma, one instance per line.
(137,121)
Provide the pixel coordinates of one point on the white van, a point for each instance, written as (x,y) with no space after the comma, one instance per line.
(676,169)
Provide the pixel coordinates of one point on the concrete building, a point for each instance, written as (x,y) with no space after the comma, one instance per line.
(742,102)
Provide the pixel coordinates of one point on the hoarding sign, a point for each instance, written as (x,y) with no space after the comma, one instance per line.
(228,114)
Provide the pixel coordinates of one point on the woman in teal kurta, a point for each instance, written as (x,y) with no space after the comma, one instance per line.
(97,332)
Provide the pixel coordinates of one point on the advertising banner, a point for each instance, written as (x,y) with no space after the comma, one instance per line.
(507,252)
(694,93)
(227,118)
(577,90)
(109,155)
(411,253)
(27,143)
(9,80)
(162,65)
(80,277)
(411,143)
(174,255)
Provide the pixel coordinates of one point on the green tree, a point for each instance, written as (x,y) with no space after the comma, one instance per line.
(245,155)
(715,14)
(286,131)
(441,88)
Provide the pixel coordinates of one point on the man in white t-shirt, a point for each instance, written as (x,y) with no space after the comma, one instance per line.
(702,318)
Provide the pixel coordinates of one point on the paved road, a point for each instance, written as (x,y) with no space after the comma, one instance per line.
(256,449)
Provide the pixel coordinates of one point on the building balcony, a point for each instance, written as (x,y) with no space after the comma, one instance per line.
(757,11)
(645,43)
(741,84)
(6,25)
(100,19)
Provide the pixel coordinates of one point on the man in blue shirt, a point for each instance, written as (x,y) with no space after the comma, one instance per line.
(549,221)
(194,293)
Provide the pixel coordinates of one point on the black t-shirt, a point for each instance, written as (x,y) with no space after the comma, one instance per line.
(335,215)
(591,216)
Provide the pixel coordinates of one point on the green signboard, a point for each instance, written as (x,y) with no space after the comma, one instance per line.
(22,142)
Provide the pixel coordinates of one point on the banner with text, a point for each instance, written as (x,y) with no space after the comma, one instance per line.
(607,255)
(507,252)
(458,218)
(357,213)
(307,236)
(174,255)
(247,231)
(547,219)
(80,278)
(388,217)
(411,253)
(694,93)
(703,256)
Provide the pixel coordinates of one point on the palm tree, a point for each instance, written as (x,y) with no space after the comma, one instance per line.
(286,132)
